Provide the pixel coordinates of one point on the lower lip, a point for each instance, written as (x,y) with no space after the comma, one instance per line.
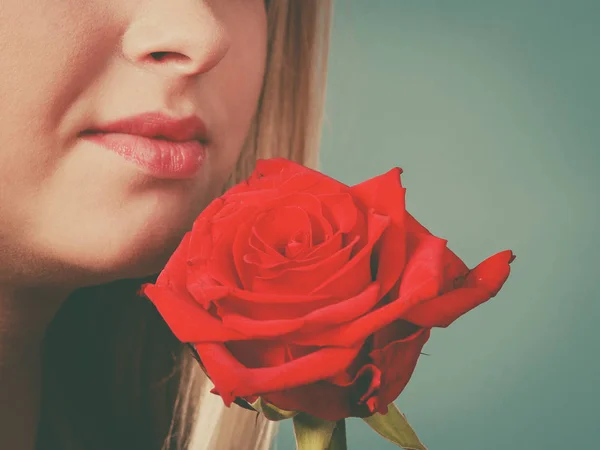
(160,158)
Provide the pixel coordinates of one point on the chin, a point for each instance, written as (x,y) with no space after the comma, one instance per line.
(78,259)
(136,258)
(122,236)
(143,262)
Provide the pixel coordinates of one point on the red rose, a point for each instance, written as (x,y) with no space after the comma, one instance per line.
(315,296)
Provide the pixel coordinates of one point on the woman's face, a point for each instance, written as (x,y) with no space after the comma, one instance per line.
(87,206)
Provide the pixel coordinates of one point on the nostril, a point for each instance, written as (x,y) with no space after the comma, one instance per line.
(158,56)
(174,56)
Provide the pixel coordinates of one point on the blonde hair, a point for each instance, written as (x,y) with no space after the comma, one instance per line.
(115,377)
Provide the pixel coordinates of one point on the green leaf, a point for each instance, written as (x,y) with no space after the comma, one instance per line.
(394,427)
(272,412)
(313,433)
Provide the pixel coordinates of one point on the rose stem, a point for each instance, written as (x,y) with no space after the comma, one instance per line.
(338,438)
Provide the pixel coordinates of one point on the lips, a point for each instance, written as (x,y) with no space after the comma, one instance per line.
(158,126)
(164,147)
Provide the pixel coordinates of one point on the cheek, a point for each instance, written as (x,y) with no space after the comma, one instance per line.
(51,52)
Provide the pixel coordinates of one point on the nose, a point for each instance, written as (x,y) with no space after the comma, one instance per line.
(176,38)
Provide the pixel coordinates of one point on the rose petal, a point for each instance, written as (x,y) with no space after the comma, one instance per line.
(214,249)
(243,195)
(229,304)
(266,298)
(359,232)
(481,284)
(390,256)
(287,177)
(276,226)
(424,272)
(246,272)
(321,399)
(175,272)
(311,182)
(329,315)
(386,196)
(453,265)
(342,210)
(259,246)
(397,362)
(204,289)
(356,274)
(380,193)
(303,279)
(232,379)
(302,179)
(259,250)
(331,251)
(259,353)
(326,248)
(330,401)
(188,321)
(306,202)
(461,301)
(267,258)
(265,261)
(395,331)
(221,264)
(202,223)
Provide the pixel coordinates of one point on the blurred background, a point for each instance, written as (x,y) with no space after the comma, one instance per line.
(492,108)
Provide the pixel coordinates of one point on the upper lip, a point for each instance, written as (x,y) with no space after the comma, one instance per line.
(157,125)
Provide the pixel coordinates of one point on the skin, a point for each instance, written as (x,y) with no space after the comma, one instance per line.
(74,214)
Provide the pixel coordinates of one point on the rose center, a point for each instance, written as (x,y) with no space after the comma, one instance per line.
(297,243)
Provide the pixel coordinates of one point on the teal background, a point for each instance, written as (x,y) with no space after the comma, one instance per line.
(492,110)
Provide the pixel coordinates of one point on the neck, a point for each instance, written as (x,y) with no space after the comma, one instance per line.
(24,316)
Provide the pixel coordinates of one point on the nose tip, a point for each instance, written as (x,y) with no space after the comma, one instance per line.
(177,42)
